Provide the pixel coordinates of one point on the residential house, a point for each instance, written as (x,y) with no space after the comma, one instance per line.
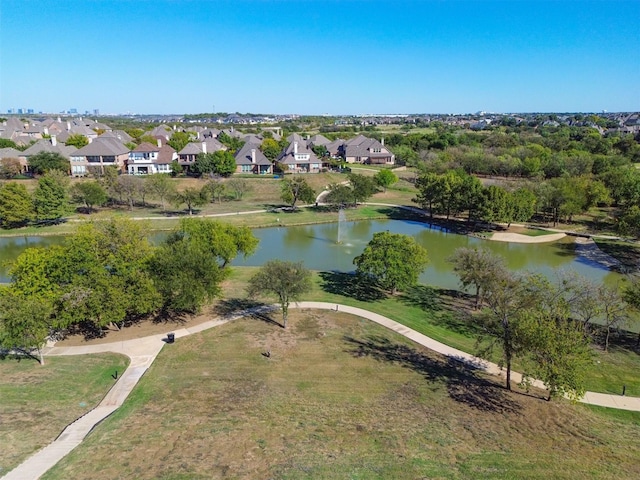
(46,145)
(100,153)
(12,153)
(367,150)
(147,159)
(190,152)
(250,159)
(299,158)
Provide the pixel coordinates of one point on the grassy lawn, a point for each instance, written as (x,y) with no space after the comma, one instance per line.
(443,316)
(340,397)
(38,402)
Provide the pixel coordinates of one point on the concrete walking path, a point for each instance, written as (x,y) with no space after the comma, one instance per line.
(143,351)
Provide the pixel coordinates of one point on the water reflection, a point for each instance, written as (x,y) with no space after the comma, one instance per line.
(317,247)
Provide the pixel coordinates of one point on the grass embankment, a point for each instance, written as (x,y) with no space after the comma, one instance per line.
(38,402)
(340,397)
(627,253)
(263,193)
(444,316)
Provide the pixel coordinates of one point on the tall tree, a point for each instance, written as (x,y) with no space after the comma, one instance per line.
(270,148)
(394,261)
(287,280)
(178,140)
(476,268)
(428,186)
(363,187)
(24,322)
(191,197)
(16,205)
(161,186)
(385,178)
(43,162)
(50,198)
(90,193)
(295,189)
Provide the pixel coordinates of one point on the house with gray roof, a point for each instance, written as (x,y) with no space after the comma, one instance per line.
(190,152)
(249,159)
(101,152)
(367,150)
(299,158)
(10,156)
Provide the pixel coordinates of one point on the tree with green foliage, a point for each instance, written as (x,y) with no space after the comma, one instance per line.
(178,140)
(476,268)
(496,205)
(428,186)
(286,280)
(340,195)
(523,205)
(270,148)
(385,178)
(176,168)
(50,198)
(6,143)
(77,140)
(90,193)
(130,187)
(16,205)
(217,190)
(24,323)
(161,186)
(394,261)
(405,155)
(186,274)
(225,163)
(191,197)
(204,164)
(189,267)
(232,143)
(43,162)
(363,187)
(296,188)
(104,275)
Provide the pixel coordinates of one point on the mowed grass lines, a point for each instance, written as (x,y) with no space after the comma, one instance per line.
(38,402)
(339,397)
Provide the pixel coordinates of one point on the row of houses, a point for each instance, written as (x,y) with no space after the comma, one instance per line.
(110,149)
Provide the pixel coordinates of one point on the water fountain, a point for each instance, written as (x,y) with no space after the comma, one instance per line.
(342,218)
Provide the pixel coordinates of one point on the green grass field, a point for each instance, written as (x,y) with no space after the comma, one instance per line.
(340,397)
(38,402)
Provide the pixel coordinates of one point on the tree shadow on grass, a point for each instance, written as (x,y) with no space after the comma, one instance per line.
(448,308)
(350,285)
(463,380)
(230,307)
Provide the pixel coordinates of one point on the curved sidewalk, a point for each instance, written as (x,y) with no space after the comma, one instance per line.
(143,351)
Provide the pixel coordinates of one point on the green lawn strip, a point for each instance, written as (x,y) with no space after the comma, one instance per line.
(534,232)
(338,398)
(38,402)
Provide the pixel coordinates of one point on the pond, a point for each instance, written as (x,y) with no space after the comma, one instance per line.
(317,247)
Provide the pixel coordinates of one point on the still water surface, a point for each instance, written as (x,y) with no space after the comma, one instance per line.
(317,247)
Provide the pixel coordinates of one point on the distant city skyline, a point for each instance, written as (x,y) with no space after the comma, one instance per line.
(319,57)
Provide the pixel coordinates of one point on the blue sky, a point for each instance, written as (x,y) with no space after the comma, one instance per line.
(315,57)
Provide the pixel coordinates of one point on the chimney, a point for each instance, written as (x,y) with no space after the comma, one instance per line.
(54,140)
(174,127)
(197,135)
(253,155)
(204,147)
(295,148)
(45,130)
(382,141)
(59,120)
(68,125)
(159,143)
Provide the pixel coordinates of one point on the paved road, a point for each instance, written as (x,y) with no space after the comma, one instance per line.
(143,351)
